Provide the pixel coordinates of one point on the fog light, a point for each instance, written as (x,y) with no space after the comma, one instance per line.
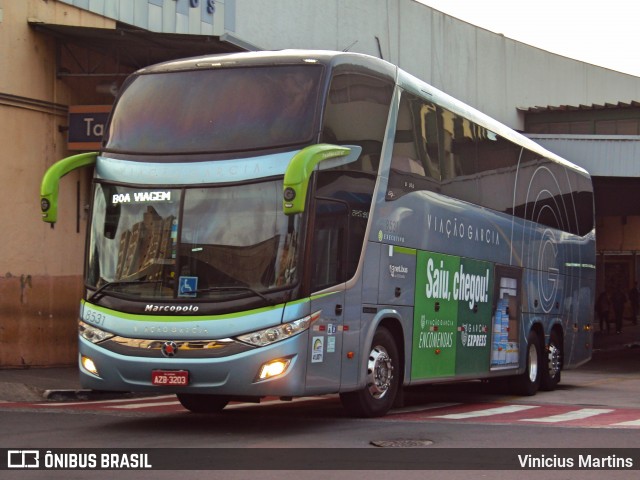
(274,368)
(88,365)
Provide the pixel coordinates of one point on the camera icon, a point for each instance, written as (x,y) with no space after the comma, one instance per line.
(23,459)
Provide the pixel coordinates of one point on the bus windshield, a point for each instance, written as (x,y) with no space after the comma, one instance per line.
(223,241)
(216,110)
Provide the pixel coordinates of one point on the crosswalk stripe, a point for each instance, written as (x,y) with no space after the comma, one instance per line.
(552,415)
(101,402)
(570,416)
(486,412)
(134,406)
(277,401)
(630,423)
(421,408)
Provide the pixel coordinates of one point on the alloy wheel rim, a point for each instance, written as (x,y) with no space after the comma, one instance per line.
(533,363)
(554,360)
(379,372)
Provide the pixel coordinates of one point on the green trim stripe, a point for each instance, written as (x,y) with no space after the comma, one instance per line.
(405,250)
(177,318)
(194,318)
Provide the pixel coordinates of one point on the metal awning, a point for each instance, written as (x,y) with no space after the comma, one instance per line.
(600,155)
(128,48)
(575,108)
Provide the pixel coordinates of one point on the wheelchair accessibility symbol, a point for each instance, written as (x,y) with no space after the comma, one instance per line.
(188,286)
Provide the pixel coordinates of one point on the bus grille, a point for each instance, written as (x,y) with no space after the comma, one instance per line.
(185,348)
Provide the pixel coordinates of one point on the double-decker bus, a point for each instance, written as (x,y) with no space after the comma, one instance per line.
(299,223)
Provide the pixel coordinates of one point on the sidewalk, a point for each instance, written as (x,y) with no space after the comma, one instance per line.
(37,384)
(629,337)
(60,383)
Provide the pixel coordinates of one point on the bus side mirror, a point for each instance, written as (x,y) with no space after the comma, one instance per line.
(51,182)
(302,165)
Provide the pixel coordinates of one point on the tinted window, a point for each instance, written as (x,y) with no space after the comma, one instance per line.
(356,113)
(555,196)
(438,150)
(329,252)
(216,110)
(497,166)
(415,163)
(459,158)
(343,201)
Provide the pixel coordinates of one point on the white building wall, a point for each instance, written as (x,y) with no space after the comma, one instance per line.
(486,70)
(197,17)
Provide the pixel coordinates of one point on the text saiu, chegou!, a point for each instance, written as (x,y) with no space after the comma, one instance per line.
(469,287)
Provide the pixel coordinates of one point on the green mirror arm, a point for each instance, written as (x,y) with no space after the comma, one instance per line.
(299,170)
(51,182)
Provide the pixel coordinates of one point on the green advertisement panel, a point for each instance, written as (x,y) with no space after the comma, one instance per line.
(474,317)
(451,332)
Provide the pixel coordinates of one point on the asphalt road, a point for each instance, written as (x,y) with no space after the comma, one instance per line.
(437,417)
(320,427)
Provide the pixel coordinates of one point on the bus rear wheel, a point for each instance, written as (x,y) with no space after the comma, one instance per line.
(528,383)
(552,366)
(202,403)
(378,396)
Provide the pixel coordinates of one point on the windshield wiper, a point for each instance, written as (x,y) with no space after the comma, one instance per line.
(100,291)
(230,289)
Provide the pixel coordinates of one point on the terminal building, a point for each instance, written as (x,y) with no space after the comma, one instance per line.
(62,61)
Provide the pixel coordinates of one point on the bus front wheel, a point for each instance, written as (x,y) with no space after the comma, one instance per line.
(528,383)
(202,403)
(382,379)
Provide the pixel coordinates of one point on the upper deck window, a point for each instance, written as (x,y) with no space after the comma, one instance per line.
(216,110)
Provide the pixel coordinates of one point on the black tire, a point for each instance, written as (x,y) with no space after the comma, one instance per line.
(202,403)
(383,369)
(528,383)
(552,363)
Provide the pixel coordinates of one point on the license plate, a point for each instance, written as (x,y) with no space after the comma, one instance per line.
(170,378)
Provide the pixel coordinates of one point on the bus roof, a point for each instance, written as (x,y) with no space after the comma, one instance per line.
(333,59)
(280,57)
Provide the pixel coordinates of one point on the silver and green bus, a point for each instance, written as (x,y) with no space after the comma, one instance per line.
(296,223)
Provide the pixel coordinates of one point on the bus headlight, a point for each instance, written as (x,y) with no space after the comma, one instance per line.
(92,333)
(261,338)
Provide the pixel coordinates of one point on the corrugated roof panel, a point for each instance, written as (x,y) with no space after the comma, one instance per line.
(562,108)
(600,156)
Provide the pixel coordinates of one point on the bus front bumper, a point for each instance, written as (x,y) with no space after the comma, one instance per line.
(235,375)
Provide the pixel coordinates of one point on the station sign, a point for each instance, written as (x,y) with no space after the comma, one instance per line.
(86,126)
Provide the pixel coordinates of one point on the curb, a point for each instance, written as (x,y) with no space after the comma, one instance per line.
(84,395)
(19,392)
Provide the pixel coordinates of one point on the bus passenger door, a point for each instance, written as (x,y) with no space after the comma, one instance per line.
(328,271)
